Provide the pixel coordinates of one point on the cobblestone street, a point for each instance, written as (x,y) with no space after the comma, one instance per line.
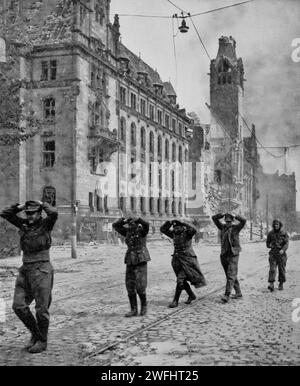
(89,302)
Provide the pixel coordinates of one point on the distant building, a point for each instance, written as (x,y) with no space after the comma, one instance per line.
(277,199)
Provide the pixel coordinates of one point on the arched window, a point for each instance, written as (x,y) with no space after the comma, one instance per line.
(151,142)
(167,150)
(173,152)
(180,154)
(133,134)
(180,208)
(123,130)
(151,205)
(159,146)
(173,180)
(122,203)
(173,208)
(143,138)
(142,204)
(186,157)
(167,206)
(49,195)
(159,205)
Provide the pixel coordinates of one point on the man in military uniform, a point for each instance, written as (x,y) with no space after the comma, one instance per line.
(135,231)
(278,242)
(35,278)
(184,261)
(230,250)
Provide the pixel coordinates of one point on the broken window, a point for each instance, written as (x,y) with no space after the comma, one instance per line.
(49,154)
(49,108)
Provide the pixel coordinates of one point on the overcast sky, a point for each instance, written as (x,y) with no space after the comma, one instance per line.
(264,31)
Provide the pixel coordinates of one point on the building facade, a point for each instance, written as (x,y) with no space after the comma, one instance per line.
(113,140)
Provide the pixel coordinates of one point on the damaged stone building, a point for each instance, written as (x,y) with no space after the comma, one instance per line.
(113,140)
(233,178)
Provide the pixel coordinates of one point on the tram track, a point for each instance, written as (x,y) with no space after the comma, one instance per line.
(159,321)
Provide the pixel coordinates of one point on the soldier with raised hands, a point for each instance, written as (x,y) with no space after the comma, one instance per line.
(135,231)
(35,278)
(230,250)
(184,261)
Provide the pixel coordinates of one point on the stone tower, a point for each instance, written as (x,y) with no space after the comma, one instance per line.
(226,134)
(227,87)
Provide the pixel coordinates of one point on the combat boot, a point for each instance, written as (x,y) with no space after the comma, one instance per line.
(32,341)
(38,347)
(191,294)
(225,298)
(271,287)
(143,304)
(133,305)
(280,287)
(237,295)
(176,297)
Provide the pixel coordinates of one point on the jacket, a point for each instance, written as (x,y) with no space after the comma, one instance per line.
(136,241)
(35,239)
(277,240)
(233,233)
(182,241)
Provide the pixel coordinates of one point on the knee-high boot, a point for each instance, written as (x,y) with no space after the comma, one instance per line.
(133,306)
(143,299)
(189,291)
(176,297)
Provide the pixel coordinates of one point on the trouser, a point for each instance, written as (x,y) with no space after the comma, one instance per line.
(34,282)
(280,261)
(230,266)
(136,279)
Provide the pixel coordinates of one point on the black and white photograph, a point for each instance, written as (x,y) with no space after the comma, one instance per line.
(149,186)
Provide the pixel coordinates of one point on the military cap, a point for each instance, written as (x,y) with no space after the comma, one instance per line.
(228,216)
(32,207)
